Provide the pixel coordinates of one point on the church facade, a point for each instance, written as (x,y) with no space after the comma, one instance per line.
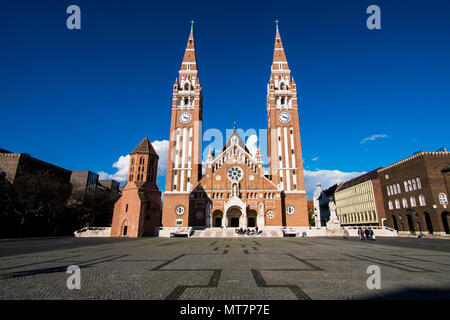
(235,190)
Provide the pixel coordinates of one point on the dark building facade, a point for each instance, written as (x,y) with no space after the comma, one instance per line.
(32,190)
(111,185)
(83,182)
(415,193)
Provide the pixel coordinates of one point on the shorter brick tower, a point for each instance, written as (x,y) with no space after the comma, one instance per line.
(138,211)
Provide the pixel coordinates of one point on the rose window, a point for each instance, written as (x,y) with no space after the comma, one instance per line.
(235,174)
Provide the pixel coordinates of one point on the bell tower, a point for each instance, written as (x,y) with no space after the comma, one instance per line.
(184,163)
(284,146)
(143,164)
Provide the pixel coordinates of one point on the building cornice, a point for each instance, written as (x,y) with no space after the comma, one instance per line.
(432,153)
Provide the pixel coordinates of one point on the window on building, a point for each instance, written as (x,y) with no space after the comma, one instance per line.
(397,204)
(388,191)
(126,207)
(391,205)
(398,188)
(419,184)
(422,200)
(414,184)
(413,201)
(405,203)
(406,186)
(410,185)
(443,198)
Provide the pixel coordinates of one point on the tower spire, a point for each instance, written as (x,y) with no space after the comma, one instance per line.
(189,59)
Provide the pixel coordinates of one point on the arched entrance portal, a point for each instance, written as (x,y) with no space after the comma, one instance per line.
(124,228)
(394,222)
(428,222)
(251,219)
(234,215)
(410,224)
(445,217)
(217,219)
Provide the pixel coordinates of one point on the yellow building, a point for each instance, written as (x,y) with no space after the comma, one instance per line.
(359,201)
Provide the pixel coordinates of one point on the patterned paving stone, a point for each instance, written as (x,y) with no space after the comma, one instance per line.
(236,268)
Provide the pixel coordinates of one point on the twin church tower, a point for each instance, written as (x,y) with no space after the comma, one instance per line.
(235,191)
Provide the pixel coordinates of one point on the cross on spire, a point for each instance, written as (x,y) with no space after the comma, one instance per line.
(192,24)
(276,23)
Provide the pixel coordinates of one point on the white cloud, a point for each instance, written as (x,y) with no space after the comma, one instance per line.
(121,175)
(374,137)
(252,144)
(162,149)
(326,178)
(315,159)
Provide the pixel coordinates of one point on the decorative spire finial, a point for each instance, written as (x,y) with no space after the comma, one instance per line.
(192,25)
(276,23)
(235,125)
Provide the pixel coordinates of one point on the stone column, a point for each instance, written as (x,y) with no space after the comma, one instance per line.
(208,216)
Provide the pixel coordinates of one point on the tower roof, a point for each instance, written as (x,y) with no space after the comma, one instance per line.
(278,51)
(145,147)
(189,58)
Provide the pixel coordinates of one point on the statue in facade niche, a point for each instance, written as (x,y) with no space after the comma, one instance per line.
(317,195)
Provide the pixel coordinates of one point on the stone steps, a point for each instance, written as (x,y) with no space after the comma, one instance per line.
(231,233)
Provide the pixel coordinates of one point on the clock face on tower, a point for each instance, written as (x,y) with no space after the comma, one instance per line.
(284,117)
(185,117)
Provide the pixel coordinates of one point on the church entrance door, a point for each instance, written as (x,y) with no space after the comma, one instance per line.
(251,218)
(217,219)
(233,215)
(234,222)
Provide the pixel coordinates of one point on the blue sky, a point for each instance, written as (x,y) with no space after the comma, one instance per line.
(81,99)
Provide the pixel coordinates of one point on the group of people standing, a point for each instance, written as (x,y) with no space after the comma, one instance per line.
(366,234)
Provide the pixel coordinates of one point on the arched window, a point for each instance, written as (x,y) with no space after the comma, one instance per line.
(405,203)
(422,200)
(391,205)
(413,201)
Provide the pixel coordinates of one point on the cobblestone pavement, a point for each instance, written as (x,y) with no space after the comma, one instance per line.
(243,268)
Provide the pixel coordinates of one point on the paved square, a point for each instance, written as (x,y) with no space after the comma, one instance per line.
(239,268)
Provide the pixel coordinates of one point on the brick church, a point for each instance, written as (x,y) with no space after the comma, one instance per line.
(235,190)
